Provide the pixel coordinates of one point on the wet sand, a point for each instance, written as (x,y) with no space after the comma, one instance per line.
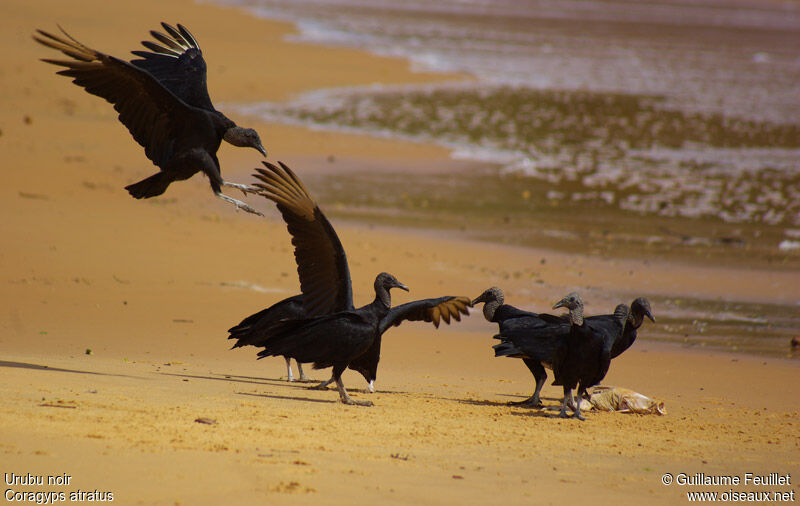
(151,287)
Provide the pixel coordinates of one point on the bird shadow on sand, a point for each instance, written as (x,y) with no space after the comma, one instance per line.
(288,398)
(281,379)
(239,379)
(536,413)
(532,411)
(523,397)
(308,384)
(478,402)
(37,367)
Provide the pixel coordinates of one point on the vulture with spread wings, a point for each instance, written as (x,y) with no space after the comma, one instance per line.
(162,99)
(331,332)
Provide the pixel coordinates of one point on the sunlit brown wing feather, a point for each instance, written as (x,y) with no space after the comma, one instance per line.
(429,310)
(150,112)
(321,261)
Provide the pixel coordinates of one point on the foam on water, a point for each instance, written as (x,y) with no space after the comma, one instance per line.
(618,148)
(732,57)
(736,56)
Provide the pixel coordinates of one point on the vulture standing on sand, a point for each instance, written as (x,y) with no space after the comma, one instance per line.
(541,327)
(332,332)
(162,99)
(535,337)
(582,359)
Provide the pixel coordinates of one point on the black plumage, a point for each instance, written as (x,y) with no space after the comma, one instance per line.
(163,101)
(640,307)
(252,330)
(332,332)
(582,360)
(537,334)
(535,337)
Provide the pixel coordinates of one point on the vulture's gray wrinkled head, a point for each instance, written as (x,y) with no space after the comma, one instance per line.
(574,303)
(492,299)
(490,295)
(244,138)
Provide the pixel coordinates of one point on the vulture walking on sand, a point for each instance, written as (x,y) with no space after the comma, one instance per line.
(332,332)
(162,99)
(542,331)
(535,337)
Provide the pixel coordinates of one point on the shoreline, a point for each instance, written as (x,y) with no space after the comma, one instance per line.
(724,233)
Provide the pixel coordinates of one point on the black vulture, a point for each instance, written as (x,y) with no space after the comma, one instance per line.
(162,99)
(582,359)
(332,332)
(535,337)
(251,330)
(539,330)
(640,308)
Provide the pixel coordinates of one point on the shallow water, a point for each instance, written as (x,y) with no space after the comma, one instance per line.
(665,108)
(622,128)
(734,56)
(624,150)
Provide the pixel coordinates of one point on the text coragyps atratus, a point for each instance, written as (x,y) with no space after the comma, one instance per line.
(333,332)
(534,337)
(163,101)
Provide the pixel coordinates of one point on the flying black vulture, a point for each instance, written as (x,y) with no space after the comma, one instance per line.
(535,337)
(163,101)
(333,333)
(252,329)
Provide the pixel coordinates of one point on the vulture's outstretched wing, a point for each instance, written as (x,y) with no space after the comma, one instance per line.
(321,261)
(151,112)
(175,59)
(429,310)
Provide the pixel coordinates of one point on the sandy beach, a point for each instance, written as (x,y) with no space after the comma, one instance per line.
(115,311)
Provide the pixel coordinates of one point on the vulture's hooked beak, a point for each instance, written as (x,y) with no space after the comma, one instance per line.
(401,286)
(561,303)
(650,315)
(261,150)
(479,298)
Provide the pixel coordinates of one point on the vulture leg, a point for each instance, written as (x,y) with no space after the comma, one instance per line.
(239,204)
(323,385)
(371,387)
(303,377)
(567,399)
(346,398)
(289,375)
(540,376)
(210,166)
(577,413)
(243,187)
